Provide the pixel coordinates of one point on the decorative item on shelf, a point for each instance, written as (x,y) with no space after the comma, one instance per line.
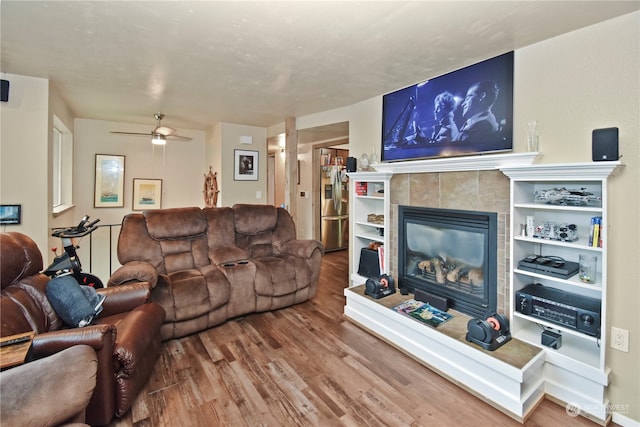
(563,196)
(373,160)
(556,231)
(588,268)
(211,189)
(375,218)
(364,162)
(374,246)
(361,188)
(532,136)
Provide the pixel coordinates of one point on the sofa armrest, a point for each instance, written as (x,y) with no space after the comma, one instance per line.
(123,298)
(302,248)
(134,271)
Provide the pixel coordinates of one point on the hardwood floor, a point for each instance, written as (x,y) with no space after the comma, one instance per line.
(307,366)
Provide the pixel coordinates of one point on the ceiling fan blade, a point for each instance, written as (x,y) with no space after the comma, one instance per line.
(131,133)
(164,130)
(181,138)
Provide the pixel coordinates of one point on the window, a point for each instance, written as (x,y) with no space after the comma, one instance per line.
(62,167)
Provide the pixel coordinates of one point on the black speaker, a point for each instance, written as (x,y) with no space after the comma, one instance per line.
(436,301)
(4,90)
(352,164)
(604,144)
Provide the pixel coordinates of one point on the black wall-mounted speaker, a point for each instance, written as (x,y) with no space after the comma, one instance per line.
(604,144)
(352,164)
(4,90)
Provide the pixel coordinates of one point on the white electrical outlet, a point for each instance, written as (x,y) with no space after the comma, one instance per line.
(620,339)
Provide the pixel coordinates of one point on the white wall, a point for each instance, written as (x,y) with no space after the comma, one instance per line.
(242,191)
(24,134)
(181,166)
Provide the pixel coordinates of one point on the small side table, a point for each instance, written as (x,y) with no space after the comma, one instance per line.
(15,353)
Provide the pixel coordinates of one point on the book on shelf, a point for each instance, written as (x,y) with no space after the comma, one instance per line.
(361,188)
(595,232)
(423,312)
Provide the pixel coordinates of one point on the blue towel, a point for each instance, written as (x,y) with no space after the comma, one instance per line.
(76,305)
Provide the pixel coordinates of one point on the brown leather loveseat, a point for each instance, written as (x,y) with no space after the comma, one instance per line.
(125,336)
(212,264)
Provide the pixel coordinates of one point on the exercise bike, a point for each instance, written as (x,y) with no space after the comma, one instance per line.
(69,262)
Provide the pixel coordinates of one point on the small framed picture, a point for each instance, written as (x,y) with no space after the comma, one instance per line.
(245,165)
(147,194)
(109,181)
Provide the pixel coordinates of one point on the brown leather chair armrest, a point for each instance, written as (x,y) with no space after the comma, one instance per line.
(102,339)
(124,297)
(134,271)
(131,342)
(99,337)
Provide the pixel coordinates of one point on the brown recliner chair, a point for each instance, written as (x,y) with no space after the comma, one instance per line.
(125,336)
(51,391)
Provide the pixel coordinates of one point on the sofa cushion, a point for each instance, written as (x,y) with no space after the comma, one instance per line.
(187,294)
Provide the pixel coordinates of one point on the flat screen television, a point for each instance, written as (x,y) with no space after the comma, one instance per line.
(467,111)
(10,214)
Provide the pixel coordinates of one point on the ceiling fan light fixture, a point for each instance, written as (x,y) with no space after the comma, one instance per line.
(158,139)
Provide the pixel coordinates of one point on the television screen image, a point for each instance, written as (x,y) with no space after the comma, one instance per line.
(10,214)
(467,111)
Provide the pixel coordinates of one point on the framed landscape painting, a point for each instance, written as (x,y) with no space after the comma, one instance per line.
(147,194)
(109,181)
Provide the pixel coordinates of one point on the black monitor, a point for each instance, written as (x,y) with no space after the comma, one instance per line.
(10,214)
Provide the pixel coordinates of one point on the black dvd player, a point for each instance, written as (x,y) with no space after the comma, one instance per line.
(550,266)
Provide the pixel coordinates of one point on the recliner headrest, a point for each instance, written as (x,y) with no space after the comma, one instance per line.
(20,258)
(254,219)
(175,223)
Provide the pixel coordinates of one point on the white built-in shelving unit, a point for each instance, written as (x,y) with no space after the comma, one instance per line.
(577,372)
(375,201)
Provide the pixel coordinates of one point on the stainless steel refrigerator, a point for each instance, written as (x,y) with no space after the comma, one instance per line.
(334,205)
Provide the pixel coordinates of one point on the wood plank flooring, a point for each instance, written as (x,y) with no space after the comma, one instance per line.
(307,366)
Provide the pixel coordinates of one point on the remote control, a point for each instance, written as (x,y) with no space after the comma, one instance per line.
(15,341)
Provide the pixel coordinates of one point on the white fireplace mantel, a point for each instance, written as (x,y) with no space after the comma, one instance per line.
(456,164)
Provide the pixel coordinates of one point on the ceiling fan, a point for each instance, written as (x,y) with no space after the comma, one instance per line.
(160,134)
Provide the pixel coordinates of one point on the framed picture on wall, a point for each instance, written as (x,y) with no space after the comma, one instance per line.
(245,165)
(109,181)
(147,194)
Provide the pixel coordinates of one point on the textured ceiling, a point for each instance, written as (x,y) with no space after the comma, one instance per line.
(255,63)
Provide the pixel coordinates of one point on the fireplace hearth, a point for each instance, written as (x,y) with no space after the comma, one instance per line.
(451,254)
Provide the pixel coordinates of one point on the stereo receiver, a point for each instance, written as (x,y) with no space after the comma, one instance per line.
(570,310)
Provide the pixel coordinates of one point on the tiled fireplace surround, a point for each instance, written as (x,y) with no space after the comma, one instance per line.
(482,190)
